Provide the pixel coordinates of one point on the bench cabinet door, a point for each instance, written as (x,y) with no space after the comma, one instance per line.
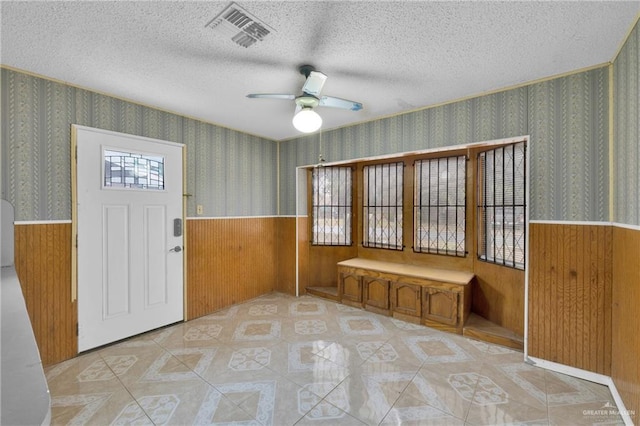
(351,287)
(405,298)
(440,305)
(376,292)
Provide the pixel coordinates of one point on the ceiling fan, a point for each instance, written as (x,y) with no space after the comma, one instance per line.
(305,119)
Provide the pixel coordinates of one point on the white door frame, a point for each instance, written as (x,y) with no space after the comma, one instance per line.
(74,212)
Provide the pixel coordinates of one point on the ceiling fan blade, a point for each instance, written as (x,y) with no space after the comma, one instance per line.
(313,84)
(330,101)
(272,96)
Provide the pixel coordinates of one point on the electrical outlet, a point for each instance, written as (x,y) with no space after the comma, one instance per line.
(199,209)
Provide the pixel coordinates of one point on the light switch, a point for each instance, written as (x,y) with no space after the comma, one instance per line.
(199,209)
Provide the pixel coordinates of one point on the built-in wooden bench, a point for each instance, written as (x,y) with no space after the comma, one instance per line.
(438,298)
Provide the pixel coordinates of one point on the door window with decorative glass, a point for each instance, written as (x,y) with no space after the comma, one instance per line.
(133,170)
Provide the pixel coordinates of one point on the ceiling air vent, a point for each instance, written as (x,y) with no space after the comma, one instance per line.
(243,28)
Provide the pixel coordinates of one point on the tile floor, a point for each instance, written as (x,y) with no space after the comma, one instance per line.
(280,360)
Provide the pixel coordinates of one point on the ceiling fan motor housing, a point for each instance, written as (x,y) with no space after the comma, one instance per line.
(307,101)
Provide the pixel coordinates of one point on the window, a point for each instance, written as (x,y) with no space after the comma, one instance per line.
(501,205)
(130,170)
(331,206)
(382,206)
(440,206)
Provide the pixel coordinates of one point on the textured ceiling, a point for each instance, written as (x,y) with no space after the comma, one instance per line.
(391,56)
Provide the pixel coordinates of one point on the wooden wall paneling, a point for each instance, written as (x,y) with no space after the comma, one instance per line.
(498,295)
(605,332)
(323,271)
(538,291)
(597,297)
(592,294)
(552,294)
(570,285)
(535,293)
(587,279)
(230,261)
(286,255)
(408,206)
(625,368)
(567,303)
(43,264)
(539,238)
(303,254)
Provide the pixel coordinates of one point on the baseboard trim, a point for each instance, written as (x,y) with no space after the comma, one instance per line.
(586,375)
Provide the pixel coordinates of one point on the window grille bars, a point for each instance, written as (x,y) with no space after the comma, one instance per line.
(440,206)
(331,206)
(501,205)
(382,206)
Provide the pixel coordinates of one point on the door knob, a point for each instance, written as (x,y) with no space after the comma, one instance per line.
(177,249)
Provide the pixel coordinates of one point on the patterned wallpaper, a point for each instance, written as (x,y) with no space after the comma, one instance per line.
(569,149)
(627,131)
(566,118)
(228,172)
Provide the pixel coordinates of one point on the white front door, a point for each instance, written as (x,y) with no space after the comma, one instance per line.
(129,221)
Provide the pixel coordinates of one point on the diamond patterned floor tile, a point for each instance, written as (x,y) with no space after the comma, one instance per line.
(281,360)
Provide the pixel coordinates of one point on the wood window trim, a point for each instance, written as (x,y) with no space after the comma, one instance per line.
(467,263)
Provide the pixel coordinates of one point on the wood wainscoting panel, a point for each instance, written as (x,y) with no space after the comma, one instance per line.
(498,295)
(43,265)
(323,260)
(286,278)
(570,290)
(229,261)
(303,254)
(625,367)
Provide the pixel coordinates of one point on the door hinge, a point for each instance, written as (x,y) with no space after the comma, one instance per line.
(77,329)
(76,240)
(76,153)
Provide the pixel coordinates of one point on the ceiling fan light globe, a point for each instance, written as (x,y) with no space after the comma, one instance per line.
(307,120)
